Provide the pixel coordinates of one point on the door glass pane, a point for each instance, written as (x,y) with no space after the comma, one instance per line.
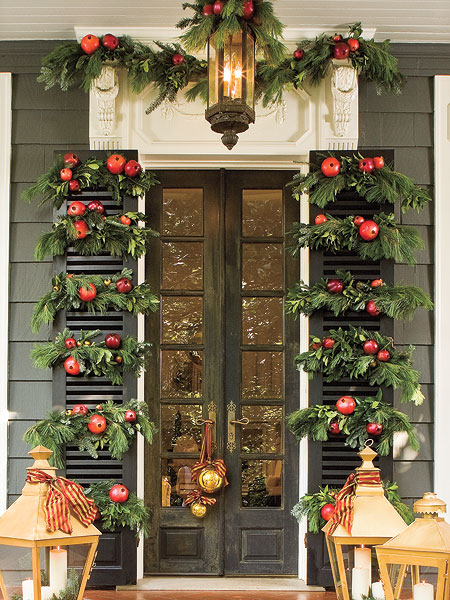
(263,432)
(181,374)
(262,374)
(262,213)
(261,483)
(182,213)
(182,265)
(179,429)
(262,266)
(182,320)
(176,480)
(262,321)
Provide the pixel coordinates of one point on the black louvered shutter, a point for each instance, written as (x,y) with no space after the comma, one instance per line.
(331,462)
(116,559)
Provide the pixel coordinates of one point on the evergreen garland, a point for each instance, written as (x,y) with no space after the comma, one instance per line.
(106,235)
(264,24)
(133,513)
(64,295)
(372,59)
(91,174)
(314,422)
(394,241)
(347,359)
(396,301)
(93,357)
(381,186)
(310,505)
(66,428)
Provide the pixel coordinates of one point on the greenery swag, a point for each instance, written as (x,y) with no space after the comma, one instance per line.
(314,423)
(68,428)
(347,359)
(394,241)
(396,301)
(381,186)
(310,505)
(105,235)
(133,513)
(65,295)
(91,173)
(93,357)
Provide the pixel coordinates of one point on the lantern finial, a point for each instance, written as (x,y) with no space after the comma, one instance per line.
(367,455)
(41,454)
(430,505)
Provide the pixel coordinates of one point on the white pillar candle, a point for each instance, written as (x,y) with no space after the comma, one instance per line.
(363,560)
(378,590)
(46,592)
(423,591)
(360,583)
(58,570)
(27,589)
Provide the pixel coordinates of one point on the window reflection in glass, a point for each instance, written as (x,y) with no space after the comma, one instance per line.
(263,433)
(176,480)
(182,213)
(262,266)
(261,483)
(182,265)
(262,374)
(179,429)
(181,373)
(262,321)
(182,319)
(262,213)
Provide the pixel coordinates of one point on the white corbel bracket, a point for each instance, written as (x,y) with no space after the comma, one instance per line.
(344,88)
(105,89)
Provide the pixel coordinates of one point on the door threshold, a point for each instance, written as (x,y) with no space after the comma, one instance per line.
(207,583)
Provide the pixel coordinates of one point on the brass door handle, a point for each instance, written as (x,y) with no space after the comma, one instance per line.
(243,421)
(232,422)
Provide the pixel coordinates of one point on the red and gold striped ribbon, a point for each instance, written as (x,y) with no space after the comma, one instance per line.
(343,514)
(205,456)
(62,496)
(196,496)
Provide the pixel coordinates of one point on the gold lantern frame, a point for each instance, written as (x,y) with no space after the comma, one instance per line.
(23,525)
(425,543)
(231,112)
(375,521)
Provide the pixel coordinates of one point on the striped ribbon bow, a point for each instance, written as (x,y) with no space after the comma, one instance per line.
(62,496)
(343,514)
(205,456)
(196,496)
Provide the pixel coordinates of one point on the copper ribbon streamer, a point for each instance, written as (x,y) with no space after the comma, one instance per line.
(62,496)
(196,496)
(343,514)
(205,456)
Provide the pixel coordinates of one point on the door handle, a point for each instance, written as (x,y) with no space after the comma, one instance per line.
(243,421)
(232,422)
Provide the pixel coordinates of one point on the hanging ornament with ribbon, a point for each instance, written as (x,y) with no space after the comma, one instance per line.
(198,503)
(209,474)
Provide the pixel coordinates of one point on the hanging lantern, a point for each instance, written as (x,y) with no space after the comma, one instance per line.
(231,84)
(44,532)
(418,559)
(363,518)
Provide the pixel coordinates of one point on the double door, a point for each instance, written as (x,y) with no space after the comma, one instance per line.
(222,350)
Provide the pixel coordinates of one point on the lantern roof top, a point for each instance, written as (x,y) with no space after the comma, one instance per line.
(25,518)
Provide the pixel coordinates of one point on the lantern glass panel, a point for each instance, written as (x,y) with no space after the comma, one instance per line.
(233,68)
(403,579)
(213,72)
(249,73)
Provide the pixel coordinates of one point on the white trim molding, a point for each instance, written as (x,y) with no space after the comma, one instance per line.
(442,285)
(5,176)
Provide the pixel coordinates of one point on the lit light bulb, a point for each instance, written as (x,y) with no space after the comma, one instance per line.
(238,72)
(227,74)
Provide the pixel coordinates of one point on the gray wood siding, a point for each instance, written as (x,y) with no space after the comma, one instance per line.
(42,123)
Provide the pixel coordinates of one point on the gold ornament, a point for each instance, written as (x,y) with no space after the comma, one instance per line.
(78,344)
(198,509)
(69,412)
(87,343)
(56,288)
(209,480)
(107,282)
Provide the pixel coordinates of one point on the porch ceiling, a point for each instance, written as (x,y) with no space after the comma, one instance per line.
(400,20)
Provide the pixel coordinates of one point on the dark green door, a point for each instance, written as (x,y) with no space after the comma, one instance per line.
(222,350)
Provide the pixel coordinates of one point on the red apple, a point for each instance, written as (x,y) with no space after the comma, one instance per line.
(358,220)
(353,44)
(89,43)
(378,162)
(119,493)
(112,340)
(327,511)
(376,283)
(124,285)
(80,409)
(335,286)
(370,347)
(374,428)
(87,292)
(299,54)
(82,229)
(207,10)
(66,174)
(372,309)
(72,366)
(130,416)
(330,167)
(341,51)
(74,185)
(346,405)
(217,7)
(366,165)
(110,42)
(125,220)
(97,424)
(333,428)
(369,230)
(71,160)
(383,356)
(320,219)
(133,168)
(328,343)
(70,343)
(116,164)
(76,209)
(96,206)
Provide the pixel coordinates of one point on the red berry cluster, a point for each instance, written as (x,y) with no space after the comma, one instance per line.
(341,49)
(215,9)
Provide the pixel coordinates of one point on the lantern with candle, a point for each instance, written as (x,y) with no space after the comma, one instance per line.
(363,518)
(418,558)
(45,531)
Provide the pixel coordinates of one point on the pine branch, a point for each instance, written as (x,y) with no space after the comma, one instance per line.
(93,356)
(394,241)
(381,186)
(396,301)
(347,359)
(64,295)
(107,235)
